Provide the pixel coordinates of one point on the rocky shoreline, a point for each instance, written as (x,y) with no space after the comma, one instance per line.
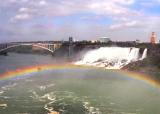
(150,66)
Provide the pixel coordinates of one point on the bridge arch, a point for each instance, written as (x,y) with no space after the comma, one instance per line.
(36,45)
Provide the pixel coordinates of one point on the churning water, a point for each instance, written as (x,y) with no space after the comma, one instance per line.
(112,57)
(73,90)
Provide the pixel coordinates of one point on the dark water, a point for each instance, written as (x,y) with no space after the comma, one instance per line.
(73,91)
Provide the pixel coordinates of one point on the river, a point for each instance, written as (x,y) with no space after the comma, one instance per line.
(72,90)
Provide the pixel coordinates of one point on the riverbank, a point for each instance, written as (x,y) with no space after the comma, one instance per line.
(149,66)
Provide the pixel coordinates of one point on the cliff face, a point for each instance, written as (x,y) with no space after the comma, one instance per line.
(153,49)
(150,65)
(152,60)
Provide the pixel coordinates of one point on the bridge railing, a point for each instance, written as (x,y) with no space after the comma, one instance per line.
(47,46)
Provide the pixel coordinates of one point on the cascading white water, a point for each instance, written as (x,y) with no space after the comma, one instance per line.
(144,55)
(111,57)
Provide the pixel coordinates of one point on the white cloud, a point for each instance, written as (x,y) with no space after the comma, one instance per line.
(42,2)
(106,8)
(18,1)
(23,9)
(145,23)
(67,7)
(20,17)
(120,13)
(113,7)
(125,2)
(124,25)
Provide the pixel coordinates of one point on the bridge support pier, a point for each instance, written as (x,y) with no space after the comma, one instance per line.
(4,53)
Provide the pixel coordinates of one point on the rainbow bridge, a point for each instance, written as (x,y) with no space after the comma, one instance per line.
(51,47)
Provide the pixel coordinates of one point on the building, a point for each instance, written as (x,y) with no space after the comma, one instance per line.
(94,41)
(70,39)
(137,41)
(153,38)
(104,39)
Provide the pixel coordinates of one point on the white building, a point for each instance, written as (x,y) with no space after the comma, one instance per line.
(104,39)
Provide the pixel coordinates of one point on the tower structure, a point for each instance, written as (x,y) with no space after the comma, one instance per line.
(153,38)
(70,39)
(70,48)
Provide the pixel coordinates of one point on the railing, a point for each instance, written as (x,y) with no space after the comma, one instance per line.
(46,46)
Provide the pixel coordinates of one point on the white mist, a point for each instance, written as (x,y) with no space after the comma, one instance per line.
(112,57)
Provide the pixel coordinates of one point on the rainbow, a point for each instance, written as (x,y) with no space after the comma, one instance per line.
(33,69)
(141,76)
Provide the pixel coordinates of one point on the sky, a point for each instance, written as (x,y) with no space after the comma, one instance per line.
(120,20)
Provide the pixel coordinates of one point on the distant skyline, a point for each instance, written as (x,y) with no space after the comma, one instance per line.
(31,20)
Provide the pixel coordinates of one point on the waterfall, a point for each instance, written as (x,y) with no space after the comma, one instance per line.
(133,55)
(144,55)
(111,57)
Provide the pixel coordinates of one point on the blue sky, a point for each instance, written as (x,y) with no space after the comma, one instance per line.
(126,20)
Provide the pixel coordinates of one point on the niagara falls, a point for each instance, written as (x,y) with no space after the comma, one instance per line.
(112,57)
(32,85)
(79,57)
